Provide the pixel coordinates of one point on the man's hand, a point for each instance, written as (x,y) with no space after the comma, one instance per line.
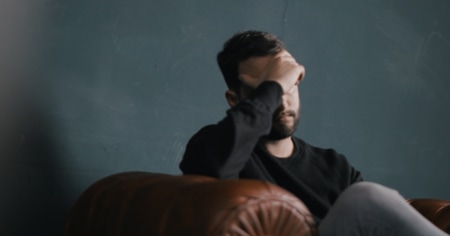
(285,70)
(281,68)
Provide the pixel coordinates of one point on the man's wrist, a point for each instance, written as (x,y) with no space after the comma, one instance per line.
(270,93)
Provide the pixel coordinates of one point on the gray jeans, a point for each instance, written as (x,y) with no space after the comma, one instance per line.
(371,209)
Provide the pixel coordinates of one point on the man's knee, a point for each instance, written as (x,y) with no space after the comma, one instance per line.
(370,189)
(368,194)
(372,208)
(360,206)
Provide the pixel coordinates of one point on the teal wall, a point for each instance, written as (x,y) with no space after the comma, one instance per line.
(97,87)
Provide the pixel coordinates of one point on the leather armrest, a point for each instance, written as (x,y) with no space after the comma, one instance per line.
(140,203)
(435,210)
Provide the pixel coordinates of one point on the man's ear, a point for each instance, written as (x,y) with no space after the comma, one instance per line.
(232,98)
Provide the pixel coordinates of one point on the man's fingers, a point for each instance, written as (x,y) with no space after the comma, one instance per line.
(249,80)
(283,58)
(282,68)
(284,55)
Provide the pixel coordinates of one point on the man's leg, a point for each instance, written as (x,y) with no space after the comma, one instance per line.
(371,209)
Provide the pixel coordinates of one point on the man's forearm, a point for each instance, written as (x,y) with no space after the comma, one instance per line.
(222,150)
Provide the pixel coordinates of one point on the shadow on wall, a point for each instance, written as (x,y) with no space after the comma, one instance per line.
(32,199)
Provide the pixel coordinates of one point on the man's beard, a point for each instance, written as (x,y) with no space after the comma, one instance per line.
(281,130)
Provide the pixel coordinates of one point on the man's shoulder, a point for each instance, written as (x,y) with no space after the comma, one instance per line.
(203,130)
(206,128)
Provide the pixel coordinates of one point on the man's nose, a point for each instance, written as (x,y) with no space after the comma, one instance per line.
(284,102)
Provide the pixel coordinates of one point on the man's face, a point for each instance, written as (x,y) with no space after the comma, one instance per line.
(287,116)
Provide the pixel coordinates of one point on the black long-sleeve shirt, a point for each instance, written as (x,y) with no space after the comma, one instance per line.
(231,149)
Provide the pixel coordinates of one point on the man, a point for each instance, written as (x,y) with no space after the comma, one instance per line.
(255,141)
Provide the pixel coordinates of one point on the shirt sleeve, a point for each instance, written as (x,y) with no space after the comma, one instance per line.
(222,150)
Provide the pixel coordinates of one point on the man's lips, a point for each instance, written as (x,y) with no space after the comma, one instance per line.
(285,115)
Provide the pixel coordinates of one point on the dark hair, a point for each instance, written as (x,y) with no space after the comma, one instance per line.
(241,47)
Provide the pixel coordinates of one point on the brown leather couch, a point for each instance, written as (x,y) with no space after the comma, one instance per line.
(140,203)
